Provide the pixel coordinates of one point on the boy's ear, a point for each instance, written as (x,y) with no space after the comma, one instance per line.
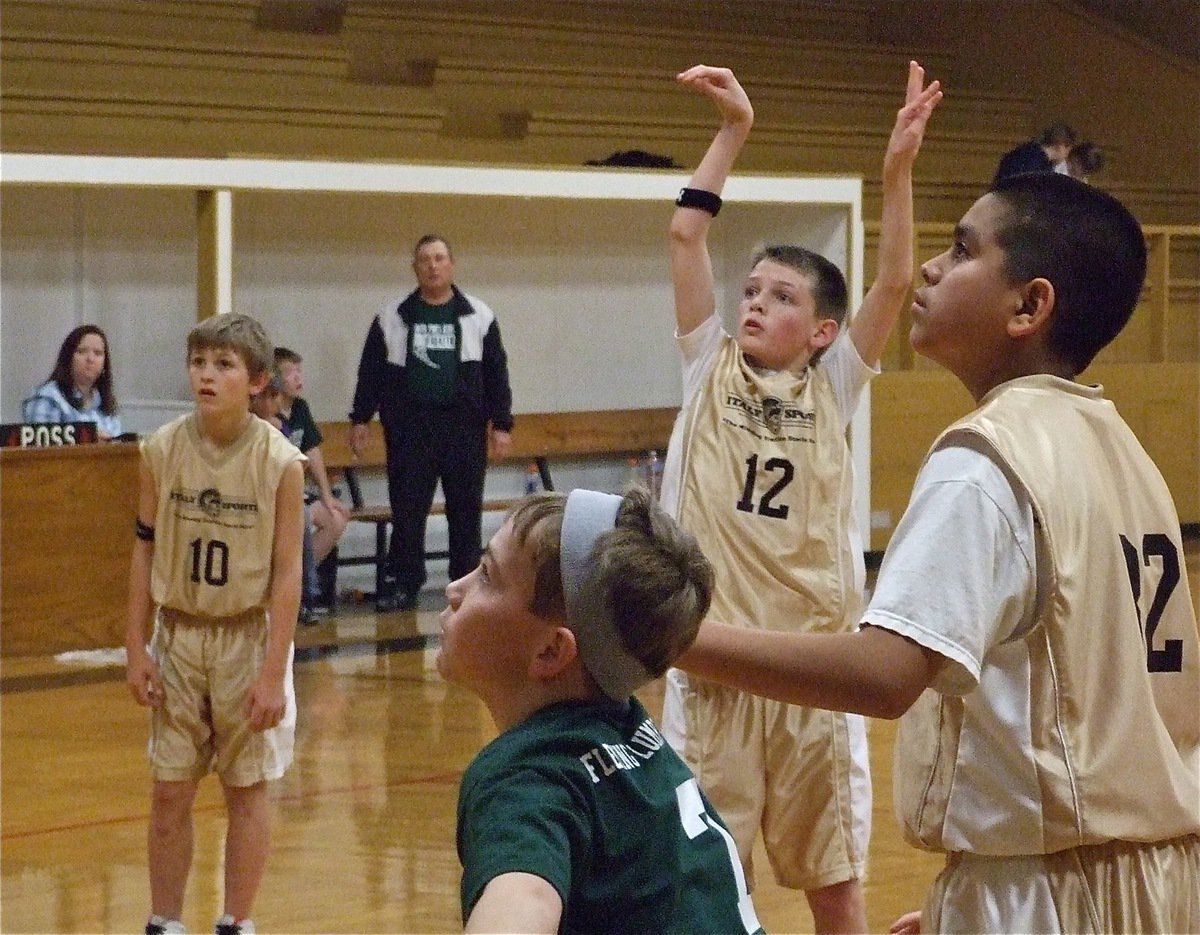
(827,330)
(259,383)
(1036,309)
(557,651)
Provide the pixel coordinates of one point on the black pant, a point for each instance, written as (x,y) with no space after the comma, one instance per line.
(426,444)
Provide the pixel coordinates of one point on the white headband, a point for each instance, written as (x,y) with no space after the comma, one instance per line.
(588,515)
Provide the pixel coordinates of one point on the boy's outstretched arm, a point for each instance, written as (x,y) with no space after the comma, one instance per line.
(870,328)
(691,268)
(872,671)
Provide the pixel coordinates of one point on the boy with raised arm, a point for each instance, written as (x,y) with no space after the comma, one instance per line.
(759,470)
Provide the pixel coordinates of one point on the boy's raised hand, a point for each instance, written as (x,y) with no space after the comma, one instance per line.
(721,87)
(919,102)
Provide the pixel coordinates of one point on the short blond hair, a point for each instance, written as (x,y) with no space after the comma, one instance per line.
(239,333)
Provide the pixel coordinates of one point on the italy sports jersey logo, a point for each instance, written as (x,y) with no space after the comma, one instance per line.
(210,502)
(210,505)
(772,410)
(772,414)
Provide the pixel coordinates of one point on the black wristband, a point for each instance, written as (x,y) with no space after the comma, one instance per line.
(143,531)
(699,198)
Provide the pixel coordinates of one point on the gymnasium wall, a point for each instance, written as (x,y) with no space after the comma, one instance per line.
(557,82)
(580,286)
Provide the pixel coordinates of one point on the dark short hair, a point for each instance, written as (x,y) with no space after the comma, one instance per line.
(1058,134)
(432,238)
(1086,243)
(61,374)
(1087,156)
(828,283)
(825,280)
(287,355)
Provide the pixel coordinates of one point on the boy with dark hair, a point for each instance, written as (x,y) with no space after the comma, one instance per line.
(579,817)
(758,469)
(216,566)
(1032,621)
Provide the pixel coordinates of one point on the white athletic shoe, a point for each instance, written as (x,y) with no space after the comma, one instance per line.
(157,925)
(228,925)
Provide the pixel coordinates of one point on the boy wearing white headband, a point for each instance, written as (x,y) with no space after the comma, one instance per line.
(579,817)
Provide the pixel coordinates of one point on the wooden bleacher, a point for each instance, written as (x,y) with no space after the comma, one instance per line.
(549,82)
(541,438)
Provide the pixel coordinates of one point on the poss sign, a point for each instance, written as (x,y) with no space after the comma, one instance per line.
(54,435)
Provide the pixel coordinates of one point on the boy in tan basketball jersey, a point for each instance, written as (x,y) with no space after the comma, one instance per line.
(217,566)
(759,470)
(1032,621)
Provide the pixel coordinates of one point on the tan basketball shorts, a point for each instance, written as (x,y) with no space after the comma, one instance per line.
(799,774)
(208,667)
(1118,886)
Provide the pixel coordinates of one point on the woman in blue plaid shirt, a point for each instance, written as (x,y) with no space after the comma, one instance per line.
(80,386)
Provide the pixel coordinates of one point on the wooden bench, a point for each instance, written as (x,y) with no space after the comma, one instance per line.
(538,438)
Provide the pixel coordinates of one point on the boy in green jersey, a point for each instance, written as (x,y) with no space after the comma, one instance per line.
(579,817)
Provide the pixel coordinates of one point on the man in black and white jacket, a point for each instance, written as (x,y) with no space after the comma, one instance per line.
(434,368)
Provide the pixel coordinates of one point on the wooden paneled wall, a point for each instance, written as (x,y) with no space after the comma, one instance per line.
(1151,371)
(909,409)
(66,537)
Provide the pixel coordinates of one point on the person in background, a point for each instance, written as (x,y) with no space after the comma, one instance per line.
(329,516)
(266,402)
(579,817)
(434,367)
(80,388)
(1044,154)
(1084,160)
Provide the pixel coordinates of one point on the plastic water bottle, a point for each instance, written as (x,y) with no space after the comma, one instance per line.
(635,477)
(654,469)
(533,480)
